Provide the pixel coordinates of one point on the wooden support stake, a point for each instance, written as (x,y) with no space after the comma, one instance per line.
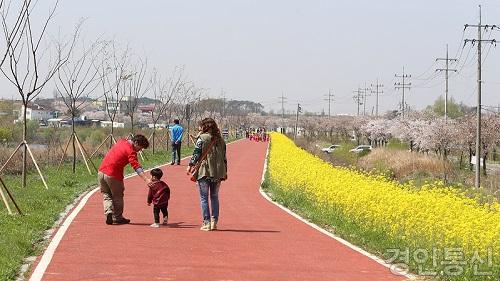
(86,153)
(36,165)
(12,155)
(83,154)
(103,142)
(10,196)
(64,152)
(5,201)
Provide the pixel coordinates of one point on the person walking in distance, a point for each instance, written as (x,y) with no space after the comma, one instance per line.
(208,166)
(176,138)
(110,175)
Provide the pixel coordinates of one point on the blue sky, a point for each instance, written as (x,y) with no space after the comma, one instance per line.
(256,50)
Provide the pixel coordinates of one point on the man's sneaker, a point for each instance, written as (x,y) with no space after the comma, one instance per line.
(213,224)
(172,163)
(122,221)
(178,163)
(205,226)
(109,218)
(155,225)
(165,220)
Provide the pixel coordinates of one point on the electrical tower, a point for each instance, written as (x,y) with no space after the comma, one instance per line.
(479,42)
(357,97)
(377,91)
(329,98)
(446,70)
(402,85)
(282,101)
(365,93)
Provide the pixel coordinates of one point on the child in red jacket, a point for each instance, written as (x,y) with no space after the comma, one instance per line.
(159,194)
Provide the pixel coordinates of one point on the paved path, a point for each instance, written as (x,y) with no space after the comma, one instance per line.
(256,240)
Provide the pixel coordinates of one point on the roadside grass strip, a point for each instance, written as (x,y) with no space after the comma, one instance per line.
(435,231)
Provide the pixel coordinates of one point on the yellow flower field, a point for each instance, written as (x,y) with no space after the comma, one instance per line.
(435,216)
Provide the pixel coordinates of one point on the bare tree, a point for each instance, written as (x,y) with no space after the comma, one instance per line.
(135,88)
(76,81)
(25,53)
(188,97)
(164,93)
(113,73)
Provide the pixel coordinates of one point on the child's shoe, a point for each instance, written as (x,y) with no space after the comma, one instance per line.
(165,220)
(213,224)
(155,225)
(205,226)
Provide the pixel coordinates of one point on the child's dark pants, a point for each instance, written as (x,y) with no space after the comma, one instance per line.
(156,212)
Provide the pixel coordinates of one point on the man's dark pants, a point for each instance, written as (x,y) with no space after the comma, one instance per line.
(176,149)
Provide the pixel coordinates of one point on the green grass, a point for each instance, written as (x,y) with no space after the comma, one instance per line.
(21,236)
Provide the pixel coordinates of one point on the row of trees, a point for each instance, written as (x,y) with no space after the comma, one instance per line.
(422,132)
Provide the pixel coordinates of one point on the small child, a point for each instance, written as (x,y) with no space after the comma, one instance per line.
(159,194)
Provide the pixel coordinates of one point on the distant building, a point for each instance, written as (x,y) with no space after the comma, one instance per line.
(36,113)
(114,105)
(106,124)
(158,126)
(146,108)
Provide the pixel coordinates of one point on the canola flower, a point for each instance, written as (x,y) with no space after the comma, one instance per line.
(433,216)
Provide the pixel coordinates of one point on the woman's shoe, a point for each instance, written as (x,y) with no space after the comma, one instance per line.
(213,224)
(205,226)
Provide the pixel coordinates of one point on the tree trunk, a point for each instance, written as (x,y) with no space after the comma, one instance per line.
(153,138)
(132,123)
(112,135)
(484,164)
(461,158)
(470,158)
(73,142)
(25,149)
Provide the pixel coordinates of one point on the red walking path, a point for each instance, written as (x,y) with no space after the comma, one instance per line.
(256,240)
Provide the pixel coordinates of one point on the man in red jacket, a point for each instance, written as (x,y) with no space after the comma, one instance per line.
(111,175)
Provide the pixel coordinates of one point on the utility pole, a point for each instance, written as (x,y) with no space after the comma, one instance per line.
(223,95)
(282,100)
(365,93)
(329,99)
(446,70)
(357,97)
(377,91)
(299,110)
(479,40)
(402,85)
